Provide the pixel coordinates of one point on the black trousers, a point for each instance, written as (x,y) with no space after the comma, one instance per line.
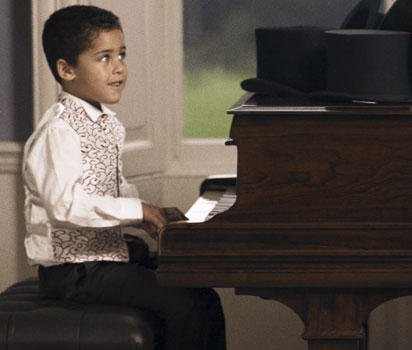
(193,318)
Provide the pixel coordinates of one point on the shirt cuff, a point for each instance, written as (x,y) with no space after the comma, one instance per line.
(132,211)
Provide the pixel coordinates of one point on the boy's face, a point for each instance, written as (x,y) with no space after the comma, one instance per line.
(100,73)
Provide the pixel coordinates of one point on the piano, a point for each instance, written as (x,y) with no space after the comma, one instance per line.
(318,216)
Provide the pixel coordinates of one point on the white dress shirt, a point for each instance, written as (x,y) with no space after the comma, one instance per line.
(77,199)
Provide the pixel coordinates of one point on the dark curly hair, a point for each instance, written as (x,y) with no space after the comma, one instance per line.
(70,31)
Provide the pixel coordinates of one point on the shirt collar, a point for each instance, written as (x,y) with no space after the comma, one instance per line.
(93,112)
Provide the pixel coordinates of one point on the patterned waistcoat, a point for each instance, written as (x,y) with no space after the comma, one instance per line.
(101,145)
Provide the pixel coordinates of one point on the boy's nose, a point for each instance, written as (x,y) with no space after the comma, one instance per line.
(118,67)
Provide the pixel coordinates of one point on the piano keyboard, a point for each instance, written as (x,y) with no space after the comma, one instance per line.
(211,203)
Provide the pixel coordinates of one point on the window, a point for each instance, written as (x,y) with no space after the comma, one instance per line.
(219,51)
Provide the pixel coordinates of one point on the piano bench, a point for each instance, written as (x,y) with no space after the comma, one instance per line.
(29,320)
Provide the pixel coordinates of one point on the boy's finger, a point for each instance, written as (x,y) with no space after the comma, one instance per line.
(174,214)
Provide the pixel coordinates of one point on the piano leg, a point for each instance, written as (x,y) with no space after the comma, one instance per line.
(334,319)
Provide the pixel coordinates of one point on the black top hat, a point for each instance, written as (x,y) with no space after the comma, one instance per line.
(367,65)
(365,15)
(290,61)
(338,64)
(399,17)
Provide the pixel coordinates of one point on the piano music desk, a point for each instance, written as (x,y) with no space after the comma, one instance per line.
(323,216)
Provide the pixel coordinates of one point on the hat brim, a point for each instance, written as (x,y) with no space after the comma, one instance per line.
(333,96)
(269,87)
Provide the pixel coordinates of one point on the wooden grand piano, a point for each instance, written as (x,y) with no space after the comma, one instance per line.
(320,218)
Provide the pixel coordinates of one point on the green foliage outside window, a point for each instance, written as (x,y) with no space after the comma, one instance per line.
(208,94)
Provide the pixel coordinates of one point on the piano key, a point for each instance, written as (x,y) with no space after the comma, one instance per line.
(210,204)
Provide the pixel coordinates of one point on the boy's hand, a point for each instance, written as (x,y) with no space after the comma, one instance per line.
(154,218)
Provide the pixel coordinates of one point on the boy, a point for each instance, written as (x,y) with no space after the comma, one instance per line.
(78,204)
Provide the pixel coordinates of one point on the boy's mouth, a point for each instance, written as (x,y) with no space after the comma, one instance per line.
(116,84)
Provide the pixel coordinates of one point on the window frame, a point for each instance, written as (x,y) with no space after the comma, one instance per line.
(189,157)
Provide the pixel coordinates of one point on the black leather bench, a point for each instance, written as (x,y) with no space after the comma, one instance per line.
(30,321)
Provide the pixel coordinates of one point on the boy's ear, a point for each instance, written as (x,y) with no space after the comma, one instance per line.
(65,70)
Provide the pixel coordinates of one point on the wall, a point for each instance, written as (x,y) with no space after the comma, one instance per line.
(13,264)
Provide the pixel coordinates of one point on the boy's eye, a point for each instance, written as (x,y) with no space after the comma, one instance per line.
(122,55)
(105,58)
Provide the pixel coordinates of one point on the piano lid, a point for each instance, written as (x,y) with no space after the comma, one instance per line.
(251,103)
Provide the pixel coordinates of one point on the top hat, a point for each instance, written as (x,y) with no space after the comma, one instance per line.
(367,65)
(365,15)
(293,61)
(290,61)
(399,17)
(338,64)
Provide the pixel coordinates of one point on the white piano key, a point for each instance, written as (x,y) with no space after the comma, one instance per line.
(209,204)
